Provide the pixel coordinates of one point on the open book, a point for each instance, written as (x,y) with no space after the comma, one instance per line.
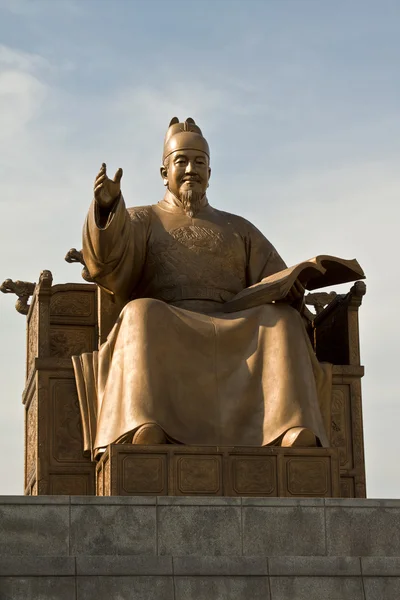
(318,272)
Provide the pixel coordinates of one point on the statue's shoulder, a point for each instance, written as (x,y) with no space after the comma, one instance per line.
(140,213)
(241,224)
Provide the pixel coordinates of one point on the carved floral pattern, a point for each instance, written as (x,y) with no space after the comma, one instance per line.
(67,428)
(32,348)
(66,342)
(107,475)
(31,440)
(100,481)
(339,431)
(346,487)
(71,304)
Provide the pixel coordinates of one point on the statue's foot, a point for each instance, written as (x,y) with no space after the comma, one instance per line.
(299,437)
(149,435)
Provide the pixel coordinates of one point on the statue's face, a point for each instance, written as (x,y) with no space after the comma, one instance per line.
(187,170)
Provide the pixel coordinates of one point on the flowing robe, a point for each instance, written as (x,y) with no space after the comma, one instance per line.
(173,357)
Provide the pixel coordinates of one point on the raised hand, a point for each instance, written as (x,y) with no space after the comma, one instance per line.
(106,191)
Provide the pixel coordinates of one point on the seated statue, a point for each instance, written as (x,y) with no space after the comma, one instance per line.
(176,368)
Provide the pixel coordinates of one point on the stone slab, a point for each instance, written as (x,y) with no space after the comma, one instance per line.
(37,588)
(112,529)
(317,588)
(198,501)
(35,500)
(37,566)
(362,502)
(315,566)
(124,565)
(125,588)
(222,588)
(283,531)
(379,566)
(114,500)
(34,529)
(283,502)
(231,566)
(199,530)
(363,531)
(382,588)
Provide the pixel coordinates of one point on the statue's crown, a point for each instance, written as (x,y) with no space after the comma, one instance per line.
(184,136)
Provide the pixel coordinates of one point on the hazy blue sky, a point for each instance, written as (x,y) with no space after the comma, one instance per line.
(300,103)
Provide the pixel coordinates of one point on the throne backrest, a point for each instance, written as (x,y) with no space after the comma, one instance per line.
(62,320)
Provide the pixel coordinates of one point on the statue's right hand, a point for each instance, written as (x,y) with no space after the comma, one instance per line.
(106,191)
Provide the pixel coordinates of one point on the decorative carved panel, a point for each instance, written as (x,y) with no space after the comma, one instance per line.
(67,428)
(32,342)
(357,428)
(354,343)
(100,482)
(72,304)
(70,341)
(252,475)
(198,475)
(143,473)
(107,478)
(346,487)
(174,470)
(69,484)
(31,440)
(308,476)
(341,424)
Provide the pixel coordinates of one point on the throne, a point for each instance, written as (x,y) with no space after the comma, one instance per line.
(70,319)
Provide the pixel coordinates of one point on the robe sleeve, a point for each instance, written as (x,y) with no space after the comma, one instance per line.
(262,257)
(115,253)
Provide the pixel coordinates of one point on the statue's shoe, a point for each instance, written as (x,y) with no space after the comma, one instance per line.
(299,437)
(149,435)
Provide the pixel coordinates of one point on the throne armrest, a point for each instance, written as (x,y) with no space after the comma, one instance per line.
(334,331)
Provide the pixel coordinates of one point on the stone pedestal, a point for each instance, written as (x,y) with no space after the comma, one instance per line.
(173,470)
(180,548)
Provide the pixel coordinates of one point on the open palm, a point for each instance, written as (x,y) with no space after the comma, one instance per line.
(106,190)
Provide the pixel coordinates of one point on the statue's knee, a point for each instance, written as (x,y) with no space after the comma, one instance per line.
(142,308)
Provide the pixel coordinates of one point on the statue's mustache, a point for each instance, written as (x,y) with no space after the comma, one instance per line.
(192,178)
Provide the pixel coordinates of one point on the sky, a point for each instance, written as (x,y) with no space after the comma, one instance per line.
(300,103)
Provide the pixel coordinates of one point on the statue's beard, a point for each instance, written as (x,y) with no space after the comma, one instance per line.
(191,202)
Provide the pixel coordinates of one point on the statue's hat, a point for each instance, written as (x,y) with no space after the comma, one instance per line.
(184,136)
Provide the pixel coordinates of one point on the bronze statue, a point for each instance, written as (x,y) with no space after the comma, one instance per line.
(175,367)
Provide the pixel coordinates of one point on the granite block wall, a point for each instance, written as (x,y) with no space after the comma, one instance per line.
(191,548)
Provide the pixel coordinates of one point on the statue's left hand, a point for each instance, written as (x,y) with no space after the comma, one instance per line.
(296,296)
(106,191)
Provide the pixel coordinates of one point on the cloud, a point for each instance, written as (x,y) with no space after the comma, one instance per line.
(23,94)
(21,98)
(30,8)
(25,61)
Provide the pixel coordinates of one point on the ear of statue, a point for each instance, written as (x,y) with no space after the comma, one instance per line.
(164,174)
